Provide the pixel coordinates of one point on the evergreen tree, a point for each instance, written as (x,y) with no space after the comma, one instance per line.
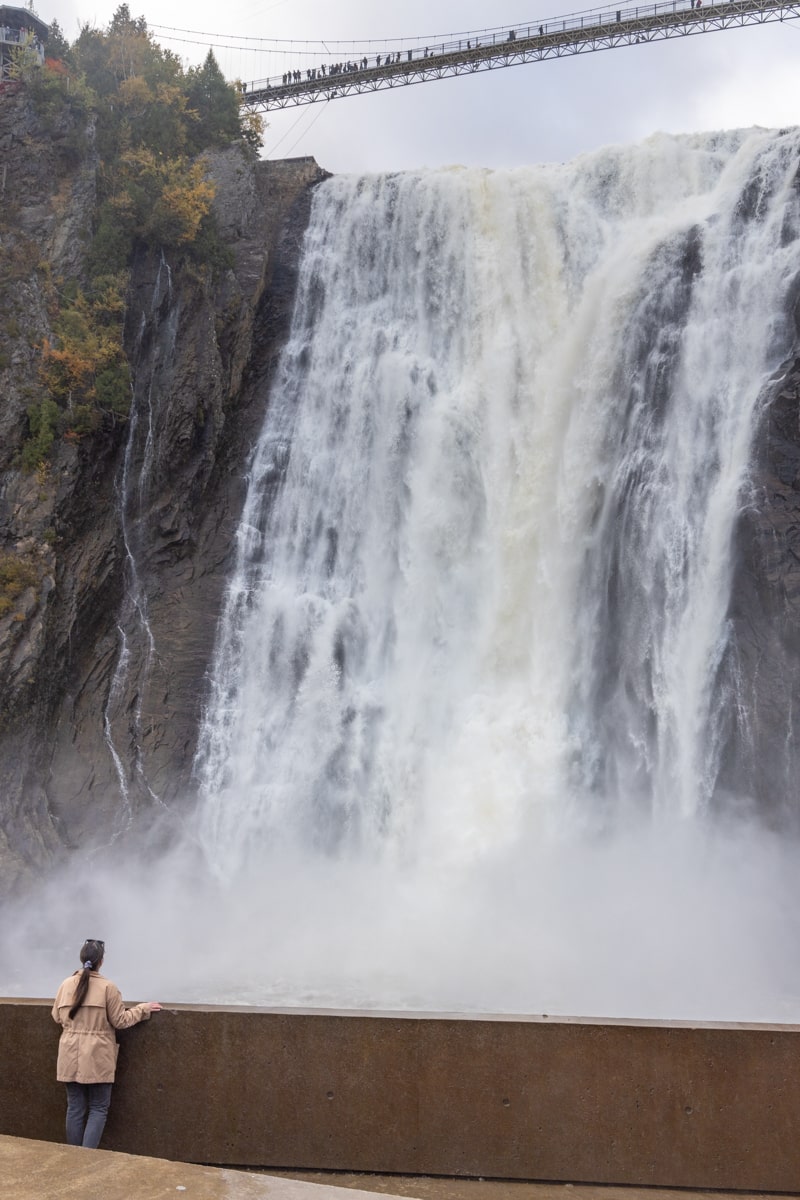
(56,45)
(215,104)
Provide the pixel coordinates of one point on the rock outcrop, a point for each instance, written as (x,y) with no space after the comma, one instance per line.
(117,550)
(764,741)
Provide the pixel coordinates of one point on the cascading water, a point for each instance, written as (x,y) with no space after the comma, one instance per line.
(131,488)
(480,606)
(485,561)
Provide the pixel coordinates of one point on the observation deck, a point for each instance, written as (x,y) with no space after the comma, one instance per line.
(20,27)
(604,29)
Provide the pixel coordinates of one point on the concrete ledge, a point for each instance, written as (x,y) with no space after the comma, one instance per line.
(505,1098)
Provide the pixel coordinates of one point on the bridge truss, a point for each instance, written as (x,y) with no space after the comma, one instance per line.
(602,30)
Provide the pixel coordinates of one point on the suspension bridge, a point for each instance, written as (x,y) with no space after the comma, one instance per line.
(604,29)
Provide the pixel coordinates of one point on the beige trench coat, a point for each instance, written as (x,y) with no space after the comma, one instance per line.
(87,1049)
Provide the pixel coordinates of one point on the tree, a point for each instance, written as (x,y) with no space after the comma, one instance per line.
(215,105)
(24,60)
(153,120)
(56,45)
(122,51)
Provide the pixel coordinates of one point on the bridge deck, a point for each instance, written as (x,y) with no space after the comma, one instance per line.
(555,38)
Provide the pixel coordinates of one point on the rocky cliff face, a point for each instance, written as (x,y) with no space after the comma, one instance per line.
(765,730)
(114,555)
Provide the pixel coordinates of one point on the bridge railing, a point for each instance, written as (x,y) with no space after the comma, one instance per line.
(473,51)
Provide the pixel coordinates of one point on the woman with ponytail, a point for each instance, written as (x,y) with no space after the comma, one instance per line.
(89,1008)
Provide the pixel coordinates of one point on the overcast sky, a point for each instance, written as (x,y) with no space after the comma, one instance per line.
(538,112)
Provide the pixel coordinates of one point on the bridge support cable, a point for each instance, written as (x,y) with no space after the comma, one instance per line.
(556,38)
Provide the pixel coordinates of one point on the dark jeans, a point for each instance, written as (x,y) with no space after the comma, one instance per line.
(83,1130)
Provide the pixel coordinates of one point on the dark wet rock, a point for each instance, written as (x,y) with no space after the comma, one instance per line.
(201,351)
(764,738)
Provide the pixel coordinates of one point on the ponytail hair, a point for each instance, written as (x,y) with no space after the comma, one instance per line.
(92,952)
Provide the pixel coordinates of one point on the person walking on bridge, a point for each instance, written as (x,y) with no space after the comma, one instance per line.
(89,1009)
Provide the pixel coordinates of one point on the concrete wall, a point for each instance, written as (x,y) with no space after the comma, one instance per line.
(603,1102)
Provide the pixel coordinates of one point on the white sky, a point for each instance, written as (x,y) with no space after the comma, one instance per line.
(501,118)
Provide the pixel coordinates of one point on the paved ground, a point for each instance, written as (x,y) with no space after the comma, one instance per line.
(45,1171)
(32,1170)
(490,1189)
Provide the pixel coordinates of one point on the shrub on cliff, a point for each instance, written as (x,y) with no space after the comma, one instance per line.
(85,372)
(17,574)
(43,421)
(154,120)
(148,99)
(159,201)
(150,121)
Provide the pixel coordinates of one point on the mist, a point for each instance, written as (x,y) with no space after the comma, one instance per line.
(671,923)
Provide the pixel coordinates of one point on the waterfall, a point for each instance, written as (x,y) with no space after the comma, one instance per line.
(476,680)
(484,566)
(123,722)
